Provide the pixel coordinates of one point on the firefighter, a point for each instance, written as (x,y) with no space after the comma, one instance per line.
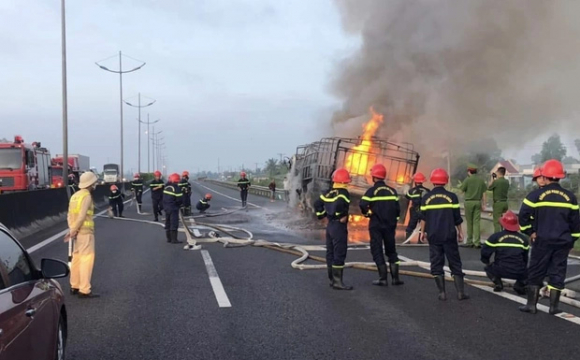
(72,183)
(185,187)
(116,201)
(474,188)
(537,178)
(500,187)
(172,198)
(137,189)
(549,215)
(156,187)
(334,205)
(414,195)
(203,204)
(244,184)
(82,233)
(441,225)
(381,204)
(511,254)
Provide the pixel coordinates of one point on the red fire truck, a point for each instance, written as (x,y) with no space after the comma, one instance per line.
(24,166)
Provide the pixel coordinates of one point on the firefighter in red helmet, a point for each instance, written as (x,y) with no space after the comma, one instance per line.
(414,195)
(156,187)
(381,204)
(244,184)
(537,177)
(441,226)
(549,215)
(203,204)
(137,189)
(334,206)
(116,201)
(172,198)
(185,187)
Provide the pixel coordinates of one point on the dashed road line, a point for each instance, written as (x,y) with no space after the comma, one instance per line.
(214,279)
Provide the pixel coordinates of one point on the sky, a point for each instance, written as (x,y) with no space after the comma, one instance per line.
(236,80)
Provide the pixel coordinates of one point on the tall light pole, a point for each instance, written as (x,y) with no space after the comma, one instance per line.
(121,72)
(64,100)
(154,142)
(139,106)
(149,142)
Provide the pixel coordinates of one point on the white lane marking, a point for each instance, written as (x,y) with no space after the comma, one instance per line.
(216,283)
(224,195)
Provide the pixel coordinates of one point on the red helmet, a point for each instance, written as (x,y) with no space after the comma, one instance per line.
(553,169)
(136,176)
(439,177)
(114,188)
(537,173)
(243,174)
(341,176)
(157,173)
(419,178)
(185,173)
(379,171)
(208,196)
(509,221)
(174,178)
(71,176)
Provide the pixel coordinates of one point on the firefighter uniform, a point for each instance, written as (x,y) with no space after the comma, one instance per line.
(500,188)
(172,198)
(203,205)
(381,204)
(116,202)
(551,213)
(185,187)
(510,260)
(414,195)
(156,187)
(137,188)
(244,184)
(474,188)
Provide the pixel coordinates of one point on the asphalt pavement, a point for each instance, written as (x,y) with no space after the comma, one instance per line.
(161,302)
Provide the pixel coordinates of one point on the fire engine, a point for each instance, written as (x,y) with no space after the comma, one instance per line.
(24,166)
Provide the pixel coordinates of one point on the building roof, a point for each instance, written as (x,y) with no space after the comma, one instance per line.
(509,166)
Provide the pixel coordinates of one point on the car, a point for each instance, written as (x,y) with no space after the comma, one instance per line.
(33,321)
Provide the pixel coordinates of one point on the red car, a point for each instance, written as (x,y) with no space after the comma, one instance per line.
(32,309)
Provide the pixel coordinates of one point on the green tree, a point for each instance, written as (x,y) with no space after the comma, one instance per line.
(485,154)
(271,167)
(570,160)
(551,149)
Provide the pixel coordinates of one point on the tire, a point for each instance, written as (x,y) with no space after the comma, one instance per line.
(60,341)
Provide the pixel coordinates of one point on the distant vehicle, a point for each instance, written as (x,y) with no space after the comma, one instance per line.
(33,320)
(82,162)
(111,173)
(57,170)
(23,166)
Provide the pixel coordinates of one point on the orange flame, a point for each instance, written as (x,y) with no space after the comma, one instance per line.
(358,160)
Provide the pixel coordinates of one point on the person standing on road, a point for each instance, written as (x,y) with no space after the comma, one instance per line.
(272,188)
(137,189)
(381,204)
(414,195)
(244,184)
(72,185)
(156,187)
(82,233)
(500,186)
(203,204)
(286,189)
(550,216)
(172,198)
(511,254)
(185,187)
(116,201)
(441,226)
(474,188)
(334,206)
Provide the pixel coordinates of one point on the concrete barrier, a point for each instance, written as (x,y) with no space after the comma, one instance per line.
(254,189)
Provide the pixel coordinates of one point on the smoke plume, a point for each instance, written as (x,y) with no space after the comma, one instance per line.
(446,72)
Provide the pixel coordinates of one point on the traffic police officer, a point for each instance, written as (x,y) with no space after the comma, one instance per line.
(414,195)
(137,189)
(185,187)
(381,204)
(244,184)
(500,187)
(203,204)
(474,188)
(441,225)
(334,205)
(550,216)
(511,254)
(172,198)
(116,201)
(156,187)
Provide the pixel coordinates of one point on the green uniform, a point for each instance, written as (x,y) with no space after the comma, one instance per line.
(500,187)
(474,187)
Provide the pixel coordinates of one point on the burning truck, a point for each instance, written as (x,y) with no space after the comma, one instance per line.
(313,164)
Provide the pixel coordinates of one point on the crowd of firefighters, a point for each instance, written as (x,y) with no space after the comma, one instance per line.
(548,222)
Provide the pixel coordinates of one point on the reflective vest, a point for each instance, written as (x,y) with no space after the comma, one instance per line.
(74,208)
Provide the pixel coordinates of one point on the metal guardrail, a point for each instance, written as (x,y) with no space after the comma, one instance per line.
(254,189)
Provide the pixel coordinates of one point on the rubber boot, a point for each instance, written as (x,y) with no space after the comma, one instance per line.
(395,275)
(533,295)
(408,235)
(554,302)
(174,239)
(520,288)
(168,235)
(383,276)
(139,208)
(440,281)
(459,286)
(330,277)
(337,279)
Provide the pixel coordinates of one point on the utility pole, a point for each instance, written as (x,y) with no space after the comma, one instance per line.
(281,156)
(64,103)
(139,106)
(148,142)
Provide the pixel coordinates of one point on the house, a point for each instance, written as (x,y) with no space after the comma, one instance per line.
(513,172)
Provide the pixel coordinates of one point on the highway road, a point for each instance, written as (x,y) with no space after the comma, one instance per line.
(161,302)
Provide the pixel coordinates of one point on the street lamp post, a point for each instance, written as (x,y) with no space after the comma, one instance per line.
(139,106)
(149,142)
(64,101)
(121,72)
(153,139)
